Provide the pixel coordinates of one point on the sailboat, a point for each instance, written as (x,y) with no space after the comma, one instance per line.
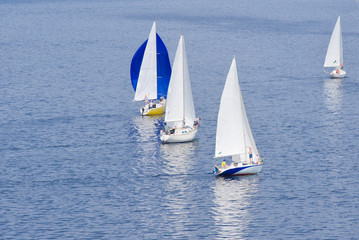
(334,57)
(235,147)
(150,74)
(180,122)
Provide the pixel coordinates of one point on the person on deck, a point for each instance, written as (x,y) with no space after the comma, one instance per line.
(250,154)
(162,99)
(224,164)
(196,123)
(153,104)
(166,128)
(259,160)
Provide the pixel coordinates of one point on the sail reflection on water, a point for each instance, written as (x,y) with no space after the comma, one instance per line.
(232,212)
(179,188)
(145,128)
(178,157)
(333,94)
(146,150)
(333,134)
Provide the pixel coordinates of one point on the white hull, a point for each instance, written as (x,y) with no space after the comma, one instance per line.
(179,135)
(341,74)
(239,170)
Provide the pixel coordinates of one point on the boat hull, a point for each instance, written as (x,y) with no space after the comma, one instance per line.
(341,74)
(242,170)
(179,136)
(158,110)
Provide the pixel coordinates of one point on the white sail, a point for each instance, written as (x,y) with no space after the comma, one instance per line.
(230,135)
(334,55)
(147,79)
(189,112)
(249,140)
(234,135)
(179,105)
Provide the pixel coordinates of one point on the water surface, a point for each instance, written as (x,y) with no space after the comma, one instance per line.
(79,162)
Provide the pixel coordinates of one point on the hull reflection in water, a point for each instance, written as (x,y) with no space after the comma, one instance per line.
(178,194)
(145,128)
(333,94)
(146,148)
(233,198)
(178,157)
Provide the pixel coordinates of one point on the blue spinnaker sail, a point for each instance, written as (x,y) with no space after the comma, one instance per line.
(163,67)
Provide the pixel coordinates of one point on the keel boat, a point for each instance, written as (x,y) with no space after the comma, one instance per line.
(150,74)
(334,57)
(236,151)
(180,122)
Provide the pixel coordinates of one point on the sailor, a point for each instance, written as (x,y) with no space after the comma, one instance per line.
(259,160)
(196,122)
(250,154)
(166,128)
(152,104)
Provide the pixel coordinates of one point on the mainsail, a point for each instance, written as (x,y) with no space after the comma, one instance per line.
(179,106)
(151,63)
(334,57)
(234,136)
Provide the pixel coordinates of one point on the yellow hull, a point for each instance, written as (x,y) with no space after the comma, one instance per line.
(155,111)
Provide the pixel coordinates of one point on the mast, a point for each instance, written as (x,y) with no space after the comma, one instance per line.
(183,95)
(243,124)
(341,44)
(244,133)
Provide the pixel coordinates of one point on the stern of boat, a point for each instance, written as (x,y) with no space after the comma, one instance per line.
(336,74)
(178,135)
(157,110)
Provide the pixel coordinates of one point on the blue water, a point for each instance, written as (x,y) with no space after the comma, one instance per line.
(77,161)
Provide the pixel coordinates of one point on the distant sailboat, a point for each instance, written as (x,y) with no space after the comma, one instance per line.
(150,74)
(181,124)
(334,57)
(234,139)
